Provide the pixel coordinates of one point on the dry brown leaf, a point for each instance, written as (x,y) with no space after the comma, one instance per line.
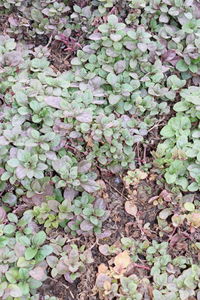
(107,285)
(121,261)
(153,177)
(90,143)
(131,208)
(165,195)
(194,219)
(102,268)
(141,175)
(102,184)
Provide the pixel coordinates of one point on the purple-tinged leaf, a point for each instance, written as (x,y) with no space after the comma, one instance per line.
(52,261)
(38,274)
(101,279)
(19,250)
(68,278)
(51,155)
(169,55)
(70,194)
(53,101)
(86,226)
(96,36)
(91,186)
(13,58)
(100,203)
(104,249)
(85,117)
(14,290)
(84,166)
(142,47)
(2,215)
(120,66)
(103,235)
(20,172)
(53,205)
(3,141)
(13,21)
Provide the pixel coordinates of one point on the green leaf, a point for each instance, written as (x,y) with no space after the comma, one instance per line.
(94,220)
(76,61)
(9,199)
(35,134)
(3,241)
(114,99)
(36,15)
(24,287)
(167,131)
(132,34)
(43,252)
(15,291)
(9,229)
(170,178)
(11,275)
(22,263)
(13,162)
(12,218)
(30,253)
(39,238)
(181,66)
(99,212)
(40,63)
(10,44)
(24,240)
(34,284)
(189,206)
(193,187)
(5,176)
(88,211)
(112,20)
(103,28)
(127,87)
(151,250)
(181,106)
(112,79)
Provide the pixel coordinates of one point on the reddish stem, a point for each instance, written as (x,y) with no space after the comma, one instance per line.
(142,267)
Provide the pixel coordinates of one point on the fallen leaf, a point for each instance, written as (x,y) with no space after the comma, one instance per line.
(165,195)
(131,208)
(102,184)
(194,219)
(104,249)
(121,261)
(107,285)
(152,199)
(102,268)
(101,279)
(2,215)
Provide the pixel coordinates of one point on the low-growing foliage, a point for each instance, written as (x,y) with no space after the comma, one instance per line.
(59,131)
(79,215)
(167,276)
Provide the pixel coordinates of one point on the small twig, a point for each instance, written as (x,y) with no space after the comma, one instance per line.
(156,125)
(50,40)
(72,240)
(138,154)
(74,149)
(141,267)
(133,266)
(144,154)
(116,190)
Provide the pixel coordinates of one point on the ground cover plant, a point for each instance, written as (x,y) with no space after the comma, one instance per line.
(99,149)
